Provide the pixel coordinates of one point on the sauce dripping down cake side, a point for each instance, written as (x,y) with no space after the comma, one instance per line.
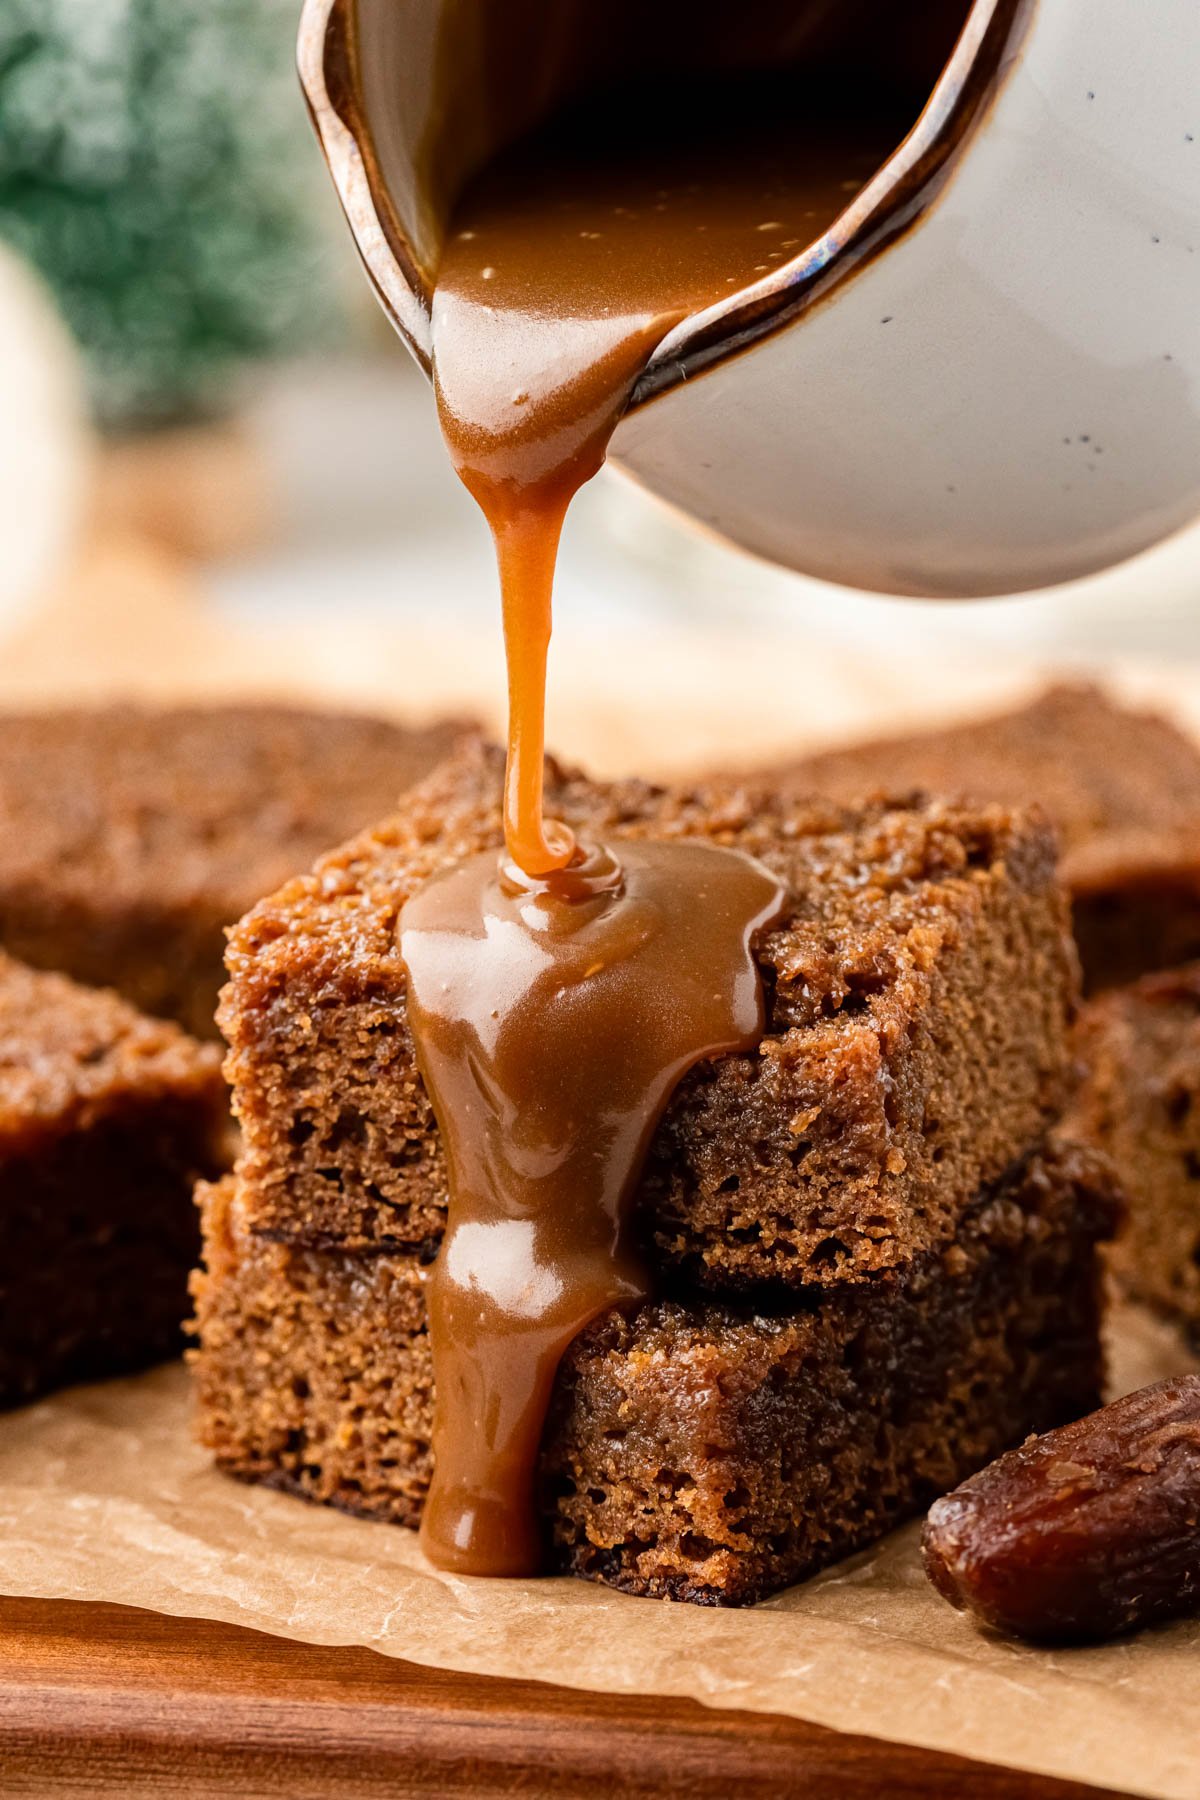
(554,1018)
(556,1001)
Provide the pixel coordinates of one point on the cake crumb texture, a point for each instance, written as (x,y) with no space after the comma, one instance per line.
(1140,1103)
(107,1120)
(131,837)
(702,1450)
(1122,786)
(920,992)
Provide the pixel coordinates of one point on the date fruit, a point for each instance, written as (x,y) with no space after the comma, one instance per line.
(1084,1533)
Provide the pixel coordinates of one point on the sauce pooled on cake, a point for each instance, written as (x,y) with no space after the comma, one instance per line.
(554,1016)
(558,992)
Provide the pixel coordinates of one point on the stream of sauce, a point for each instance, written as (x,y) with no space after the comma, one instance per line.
(562,272)
(558,992)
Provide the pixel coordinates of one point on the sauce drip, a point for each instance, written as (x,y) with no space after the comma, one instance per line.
(562,272)
(554,1018)
(557,996)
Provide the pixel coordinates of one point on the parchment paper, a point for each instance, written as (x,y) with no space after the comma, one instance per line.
(103,1495)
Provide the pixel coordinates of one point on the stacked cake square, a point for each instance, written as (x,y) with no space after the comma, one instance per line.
(876,1262)
(1139,1102)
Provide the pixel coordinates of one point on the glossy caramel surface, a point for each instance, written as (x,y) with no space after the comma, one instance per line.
(553,1020)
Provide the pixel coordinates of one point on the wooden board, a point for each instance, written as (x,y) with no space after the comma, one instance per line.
(106,1700)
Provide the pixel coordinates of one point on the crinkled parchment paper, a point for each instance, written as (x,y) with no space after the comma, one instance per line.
(103,1496)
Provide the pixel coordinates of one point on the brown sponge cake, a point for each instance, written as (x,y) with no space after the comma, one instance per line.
(1121,785)
(107,1119)
(1140,1103)
(699,1449)
(920,991)
(131,837)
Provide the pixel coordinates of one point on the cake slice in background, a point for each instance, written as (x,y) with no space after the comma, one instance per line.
(1140,1102)
(131,837)
(107,1120)
(1122,786)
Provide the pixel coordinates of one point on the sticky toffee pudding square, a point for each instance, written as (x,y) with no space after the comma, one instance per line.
(920,990)
(1121,785)
(699,1449)
(131,837)
(107,1119)
(1140,1103)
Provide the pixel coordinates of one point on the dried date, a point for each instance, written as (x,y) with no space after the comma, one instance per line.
(1084,1533)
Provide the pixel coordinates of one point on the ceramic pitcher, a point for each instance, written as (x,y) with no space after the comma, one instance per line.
(985,377)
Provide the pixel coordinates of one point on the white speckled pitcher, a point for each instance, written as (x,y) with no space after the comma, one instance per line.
(992,386)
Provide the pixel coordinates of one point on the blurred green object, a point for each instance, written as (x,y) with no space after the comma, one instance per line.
(155,167)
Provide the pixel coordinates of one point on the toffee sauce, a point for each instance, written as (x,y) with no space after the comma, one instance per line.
(561,273)
(556,993)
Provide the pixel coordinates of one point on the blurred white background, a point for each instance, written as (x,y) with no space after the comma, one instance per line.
(650,616)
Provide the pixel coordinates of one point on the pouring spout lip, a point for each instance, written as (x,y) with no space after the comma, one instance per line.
(897,197)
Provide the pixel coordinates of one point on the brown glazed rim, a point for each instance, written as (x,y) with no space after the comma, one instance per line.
(326,59)
(900,193)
